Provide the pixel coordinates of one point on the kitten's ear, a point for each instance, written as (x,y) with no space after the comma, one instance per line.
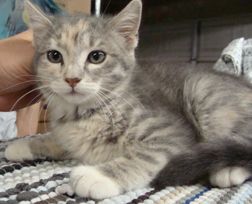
(127,22)
(38,20)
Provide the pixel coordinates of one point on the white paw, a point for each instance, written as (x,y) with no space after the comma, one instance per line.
(87,181)
(18,151)
(229,176)
(64,189)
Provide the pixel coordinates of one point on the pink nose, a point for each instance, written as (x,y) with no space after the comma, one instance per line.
(72,81)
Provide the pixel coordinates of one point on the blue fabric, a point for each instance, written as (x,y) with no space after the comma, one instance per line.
(12,15)
(197,195)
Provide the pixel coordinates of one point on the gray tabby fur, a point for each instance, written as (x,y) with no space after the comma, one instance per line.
(134,125)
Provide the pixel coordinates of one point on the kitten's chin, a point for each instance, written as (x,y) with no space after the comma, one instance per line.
(78,99)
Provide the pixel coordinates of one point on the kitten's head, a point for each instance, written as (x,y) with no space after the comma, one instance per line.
(79,58)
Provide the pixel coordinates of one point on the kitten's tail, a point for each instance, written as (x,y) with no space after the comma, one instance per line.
(188,168)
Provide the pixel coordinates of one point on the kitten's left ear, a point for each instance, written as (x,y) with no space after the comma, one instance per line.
(38,20)
(127,22)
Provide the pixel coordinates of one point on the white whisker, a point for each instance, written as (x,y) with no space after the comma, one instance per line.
(125,100)
(111,102)
(50,98)
(107,107)
(21,97)
(32,111)
(21,83)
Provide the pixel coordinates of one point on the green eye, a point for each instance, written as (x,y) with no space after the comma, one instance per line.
(54,56)
(96,57)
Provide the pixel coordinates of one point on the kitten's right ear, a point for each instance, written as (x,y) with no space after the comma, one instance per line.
(127,22)
(38,20)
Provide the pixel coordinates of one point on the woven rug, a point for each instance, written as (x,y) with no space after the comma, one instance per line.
(36,182)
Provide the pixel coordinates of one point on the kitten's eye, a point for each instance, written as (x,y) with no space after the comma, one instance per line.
(54,56)
(96,57)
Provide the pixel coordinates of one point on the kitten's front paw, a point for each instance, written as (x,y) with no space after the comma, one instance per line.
(18,151)
(229,176)
(87,181)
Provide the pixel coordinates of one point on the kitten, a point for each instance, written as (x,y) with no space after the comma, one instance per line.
(132,126)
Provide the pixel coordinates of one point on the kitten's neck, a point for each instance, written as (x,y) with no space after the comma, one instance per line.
(63,111)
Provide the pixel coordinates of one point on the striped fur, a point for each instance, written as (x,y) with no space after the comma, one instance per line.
(130,123)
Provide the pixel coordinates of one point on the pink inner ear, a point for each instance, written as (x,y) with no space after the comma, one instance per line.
(129,33)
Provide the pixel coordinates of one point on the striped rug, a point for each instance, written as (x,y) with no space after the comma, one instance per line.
(37,182)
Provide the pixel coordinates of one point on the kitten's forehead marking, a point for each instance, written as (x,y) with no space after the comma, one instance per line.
(70,32)
(69,36)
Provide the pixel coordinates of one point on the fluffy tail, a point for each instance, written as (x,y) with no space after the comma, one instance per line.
(188,168)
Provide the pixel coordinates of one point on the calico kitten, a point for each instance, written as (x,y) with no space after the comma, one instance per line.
(131,126)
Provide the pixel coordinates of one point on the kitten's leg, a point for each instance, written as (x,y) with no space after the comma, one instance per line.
(34,148)
(117,176)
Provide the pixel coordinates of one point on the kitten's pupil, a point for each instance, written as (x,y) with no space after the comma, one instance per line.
(96,57)
(54,56)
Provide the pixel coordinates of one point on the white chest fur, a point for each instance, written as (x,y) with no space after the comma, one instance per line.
(95,139)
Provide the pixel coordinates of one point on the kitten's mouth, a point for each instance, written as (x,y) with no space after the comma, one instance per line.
(74,93)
